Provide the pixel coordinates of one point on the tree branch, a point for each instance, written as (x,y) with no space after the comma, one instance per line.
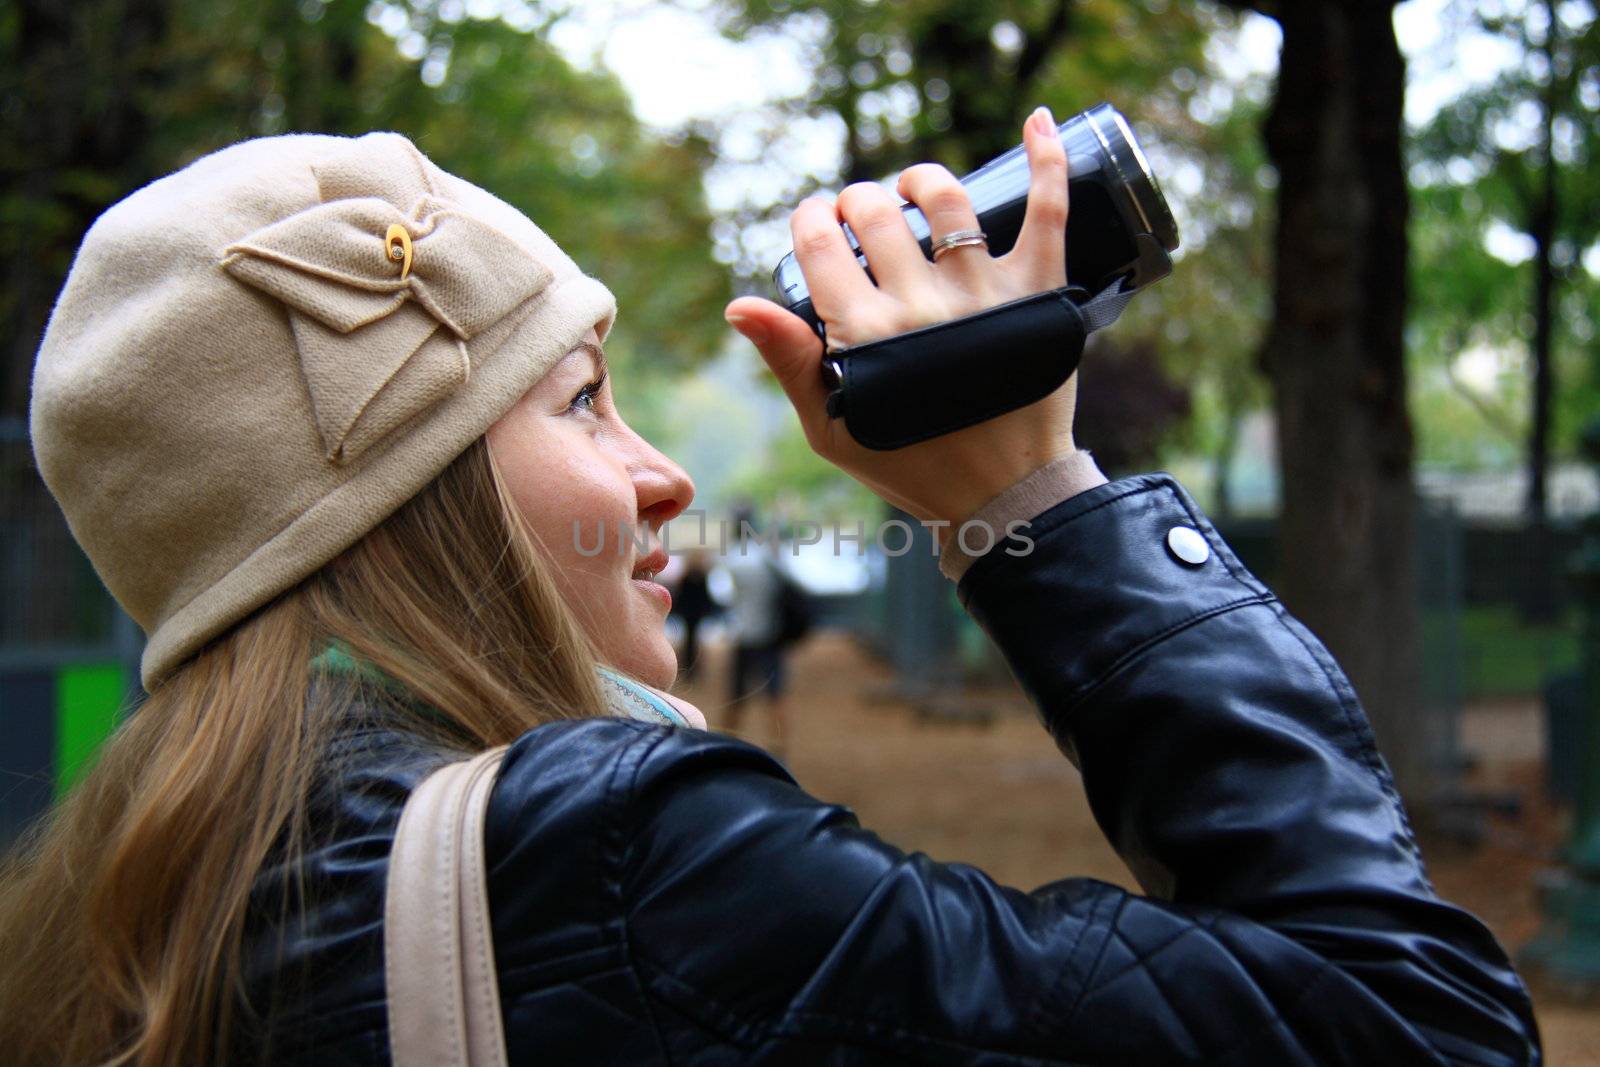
(1038,46)
(1496,420)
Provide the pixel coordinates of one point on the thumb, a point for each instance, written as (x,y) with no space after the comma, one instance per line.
(789,348)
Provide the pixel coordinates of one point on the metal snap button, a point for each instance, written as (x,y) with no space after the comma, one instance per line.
(1188,545)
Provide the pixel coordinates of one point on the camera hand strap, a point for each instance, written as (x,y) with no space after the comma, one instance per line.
(1106,306)
(913,386)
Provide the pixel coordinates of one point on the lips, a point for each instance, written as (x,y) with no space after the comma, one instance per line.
(650,566)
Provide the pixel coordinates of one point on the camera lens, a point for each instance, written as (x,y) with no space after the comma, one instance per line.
(1138,179)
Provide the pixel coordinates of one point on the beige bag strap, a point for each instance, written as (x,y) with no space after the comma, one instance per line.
(444,1000)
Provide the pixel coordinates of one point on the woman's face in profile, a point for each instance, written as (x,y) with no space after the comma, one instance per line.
(596,493)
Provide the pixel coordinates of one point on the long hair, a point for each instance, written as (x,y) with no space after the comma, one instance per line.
(122,913)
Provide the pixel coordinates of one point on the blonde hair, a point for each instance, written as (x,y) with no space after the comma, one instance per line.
(122,913)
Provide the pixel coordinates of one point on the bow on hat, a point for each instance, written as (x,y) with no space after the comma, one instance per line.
(382,338)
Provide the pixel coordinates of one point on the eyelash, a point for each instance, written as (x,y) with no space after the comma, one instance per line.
(586,396)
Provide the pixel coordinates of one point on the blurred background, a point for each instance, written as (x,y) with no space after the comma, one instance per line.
(1376,362)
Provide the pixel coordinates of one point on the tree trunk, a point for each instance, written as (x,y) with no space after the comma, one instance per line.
(1539,596)
(1337,363)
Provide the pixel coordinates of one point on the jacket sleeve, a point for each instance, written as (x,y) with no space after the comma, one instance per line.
(1288,919)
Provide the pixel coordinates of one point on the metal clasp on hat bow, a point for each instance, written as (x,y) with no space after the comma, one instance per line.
(397,242)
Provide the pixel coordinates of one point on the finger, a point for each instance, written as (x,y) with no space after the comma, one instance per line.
(790,349)
(1041,246)
(833,276)
(945,202)
(880,227)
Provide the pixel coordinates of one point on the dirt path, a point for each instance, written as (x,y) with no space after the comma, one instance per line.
(1002,798)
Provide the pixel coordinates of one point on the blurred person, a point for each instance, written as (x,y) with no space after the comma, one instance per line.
(757,666)
(693,604)
(356,562)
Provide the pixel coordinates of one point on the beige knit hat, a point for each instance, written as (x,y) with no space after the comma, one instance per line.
(257,359)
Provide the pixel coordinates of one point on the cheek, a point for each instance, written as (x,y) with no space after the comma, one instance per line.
(582,506)
(576,501)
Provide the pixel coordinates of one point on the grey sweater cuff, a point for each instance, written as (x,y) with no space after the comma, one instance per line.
(1037,493)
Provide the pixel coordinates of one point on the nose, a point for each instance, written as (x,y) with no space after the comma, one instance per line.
(664,489)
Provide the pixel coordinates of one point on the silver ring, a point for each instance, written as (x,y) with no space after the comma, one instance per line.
(958,239)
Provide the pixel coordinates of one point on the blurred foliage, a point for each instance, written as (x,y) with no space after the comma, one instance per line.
(1477,172)
(790,478)
(99,96)
(952,80)
(1208,320)
(1503,657)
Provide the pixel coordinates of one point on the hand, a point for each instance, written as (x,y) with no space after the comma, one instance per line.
(949,477)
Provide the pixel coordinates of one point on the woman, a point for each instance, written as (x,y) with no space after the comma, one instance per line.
(328,420)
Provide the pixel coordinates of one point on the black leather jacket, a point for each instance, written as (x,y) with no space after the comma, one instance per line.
(667,895)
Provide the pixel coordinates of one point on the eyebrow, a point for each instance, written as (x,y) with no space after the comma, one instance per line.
(597,352)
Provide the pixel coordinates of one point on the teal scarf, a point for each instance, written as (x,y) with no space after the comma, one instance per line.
(627,698)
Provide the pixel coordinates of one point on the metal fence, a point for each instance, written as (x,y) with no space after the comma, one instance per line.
(68,654)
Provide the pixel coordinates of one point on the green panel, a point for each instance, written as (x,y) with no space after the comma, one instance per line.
(88,702)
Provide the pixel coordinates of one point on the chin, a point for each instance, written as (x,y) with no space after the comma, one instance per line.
(656,664)
(665,674)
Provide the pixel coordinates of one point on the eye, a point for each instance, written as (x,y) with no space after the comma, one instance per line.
(585,398)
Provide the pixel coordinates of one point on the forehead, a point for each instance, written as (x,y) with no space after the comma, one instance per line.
(586,359)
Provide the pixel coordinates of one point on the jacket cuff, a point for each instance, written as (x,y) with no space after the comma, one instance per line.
(1056,481)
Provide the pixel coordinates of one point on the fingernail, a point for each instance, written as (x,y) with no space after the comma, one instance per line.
(1043,121)
(753,331)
